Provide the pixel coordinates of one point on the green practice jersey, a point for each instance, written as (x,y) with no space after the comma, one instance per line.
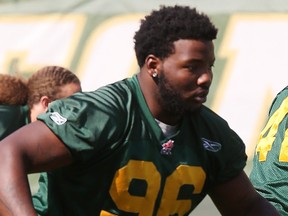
(123,163)
(270,164)
(12,118)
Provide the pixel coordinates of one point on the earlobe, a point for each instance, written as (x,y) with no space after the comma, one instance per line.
(154,74)
(152,62)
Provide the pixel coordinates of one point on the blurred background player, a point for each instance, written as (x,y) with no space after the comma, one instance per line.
(22,101)
(48,84)
(269,174)
(13,97)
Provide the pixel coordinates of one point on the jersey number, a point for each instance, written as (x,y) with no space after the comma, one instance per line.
(144,205)
(271,128)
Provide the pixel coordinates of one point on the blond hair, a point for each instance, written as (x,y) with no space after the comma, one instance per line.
(48,82)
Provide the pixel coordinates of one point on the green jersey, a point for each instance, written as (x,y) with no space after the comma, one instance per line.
(12,118)
(123,163)
(270,163)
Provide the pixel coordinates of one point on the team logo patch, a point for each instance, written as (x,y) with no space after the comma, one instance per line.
(57,118)
(211,145)
(167,147)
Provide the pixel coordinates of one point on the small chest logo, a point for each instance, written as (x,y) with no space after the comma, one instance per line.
(57,118)
(211,145)
(167,147)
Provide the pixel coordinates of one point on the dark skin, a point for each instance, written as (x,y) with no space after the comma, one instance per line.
(188,71)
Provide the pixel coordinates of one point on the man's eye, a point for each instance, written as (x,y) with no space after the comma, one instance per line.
(192,67)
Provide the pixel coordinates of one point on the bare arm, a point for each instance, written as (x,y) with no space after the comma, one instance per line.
(33,148)
(239,198)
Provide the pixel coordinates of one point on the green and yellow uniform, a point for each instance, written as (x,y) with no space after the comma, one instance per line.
(123,163)
(12,117)
(270,163)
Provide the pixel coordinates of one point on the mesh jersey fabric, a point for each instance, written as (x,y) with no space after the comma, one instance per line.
(269,174)
(120,168)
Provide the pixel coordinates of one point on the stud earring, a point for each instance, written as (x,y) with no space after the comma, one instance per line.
(154,75)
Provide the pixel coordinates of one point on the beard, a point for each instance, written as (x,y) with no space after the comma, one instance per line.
(170,97)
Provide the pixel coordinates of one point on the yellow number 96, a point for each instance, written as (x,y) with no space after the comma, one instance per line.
(147,171)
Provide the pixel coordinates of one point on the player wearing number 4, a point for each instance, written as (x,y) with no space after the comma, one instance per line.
(142,146)
(270,164)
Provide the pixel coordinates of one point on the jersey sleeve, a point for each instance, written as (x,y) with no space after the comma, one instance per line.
(88,122)
(236,157)
(270,162)
(231,160)
(226,154)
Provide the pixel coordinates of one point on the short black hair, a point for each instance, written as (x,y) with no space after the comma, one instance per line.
(162,27)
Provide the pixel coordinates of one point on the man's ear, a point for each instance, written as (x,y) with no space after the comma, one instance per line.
(44,101)
(153,65)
